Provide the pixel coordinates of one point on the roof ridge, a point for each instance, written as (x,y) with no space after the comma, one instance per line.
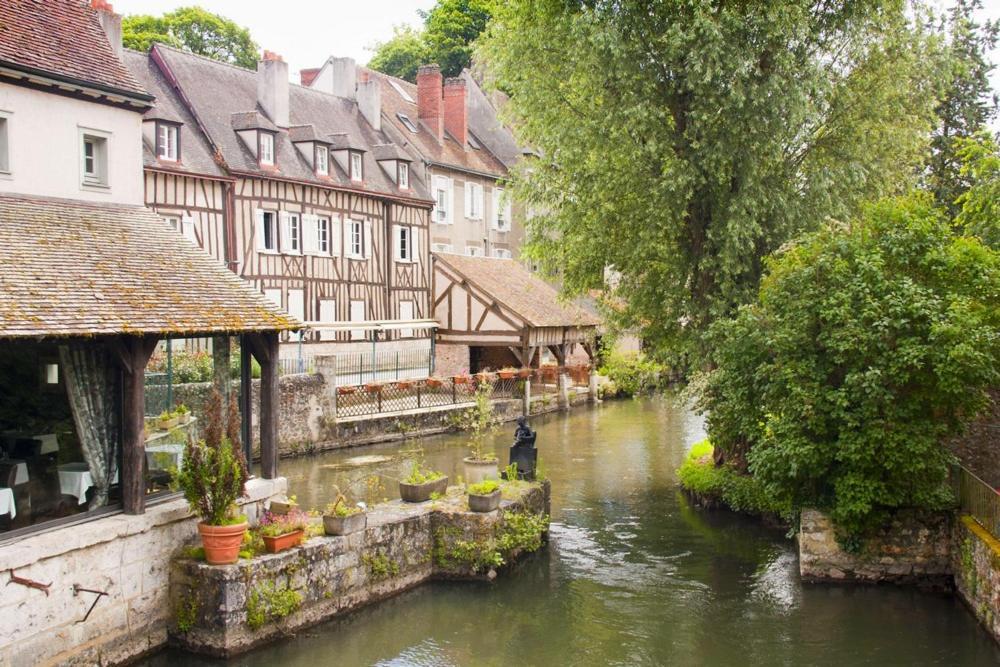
(183,52)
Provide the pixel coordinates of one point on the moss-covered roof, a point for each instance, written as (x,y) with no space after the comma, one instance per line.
(72,268)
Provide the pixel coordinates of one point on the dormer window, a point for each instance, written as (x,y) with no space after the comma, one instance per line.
(357,166)
(167,141)
(322,161)
(403,175)
(265,148)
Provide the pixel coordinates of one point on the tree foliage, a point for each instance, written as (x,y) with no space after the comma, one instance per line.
(868,345)
(193,29)
(969,102)
(450,28)
(979,215)
(682,142)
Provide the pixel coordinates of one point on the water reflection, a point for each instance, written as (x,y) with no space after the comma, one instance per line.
(633,576)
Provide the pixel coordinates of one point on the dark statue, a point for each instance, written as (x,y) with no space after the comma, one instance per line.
(523,452)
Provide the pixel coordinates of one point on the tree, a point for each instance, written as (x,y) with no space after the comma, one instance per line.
(682,142)
(193,29)
(979,215)
(968,104)
(869,344)
(450,28)
(402,55)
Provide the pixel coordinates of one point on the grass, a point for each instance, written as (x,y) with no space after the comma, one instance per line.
(699,475)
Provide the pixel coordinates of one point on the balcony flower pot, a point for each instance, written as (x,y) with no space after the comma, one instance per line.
(373,388)
(222,543)
(507,374)
(167,423)
(525,373)
(282,542)
(485,378)
(346,391)
(477,470)
(404,384)
(344,525)
(484,502)
(461,379)
(418,493)
(434,382)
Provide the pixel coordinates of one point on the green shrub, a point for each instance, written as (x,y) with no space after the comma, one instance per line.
(869,344)
(632,373)
(484,488)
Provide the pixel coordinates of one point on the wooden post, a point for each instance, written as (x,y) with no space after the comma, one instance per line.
(526,406)
(246,398)
(220,368)
(133,354)
(265,348)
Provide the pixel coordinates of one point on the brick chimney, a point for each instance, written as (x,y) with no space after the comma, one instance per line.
(370,99)
(272,88)
(111,22)
(306,76)
(455,110)
(430,104)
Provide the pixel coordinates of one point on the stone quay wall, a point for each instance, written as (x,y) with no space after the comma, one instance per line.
(128,557)
(976,563)
(226,610)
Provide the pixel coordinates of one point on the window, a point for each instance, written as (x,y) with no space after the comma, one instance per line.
(473,201)
(442,200)
(323,235)
(94,154)
(265,148)
(4,144)
(267,237)
(501,253)
(402,92)
(473,251)
(405,243)
(403,177)
(405,120)
(291,232)
(355,238)
(473,142)
(322,161)
(357,315)
(167,141)
(441,247)
(173,221)
(501,211)
(357,167)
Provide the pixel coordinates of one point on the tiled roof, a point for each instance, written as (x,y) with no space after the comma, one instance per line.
(448,152)
(62,38)
(196,153)
(70,268)
(391,152)
(217,90)
(485,124)
(251,120)
(518,289)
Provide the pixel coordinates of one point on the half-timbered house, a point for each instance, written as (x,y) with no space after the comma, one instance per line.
(299,191)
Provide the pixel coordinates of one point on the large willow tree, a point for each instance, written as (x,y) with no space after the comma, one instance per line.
(682,141)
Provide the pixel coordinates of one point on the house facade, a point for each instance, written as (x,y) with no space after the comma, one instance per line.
(297,191)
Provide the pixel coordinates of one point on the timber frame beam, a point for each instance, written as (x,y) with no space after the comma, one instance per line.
(264,347)
(132,354)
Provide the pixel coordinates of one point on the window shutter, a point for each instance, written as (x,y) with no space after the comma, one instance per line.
(450,190)
(468,199)
(494,207)
(397,241)
(259,226)
(413,245)
(310,233)
(367,239)
(187,227)
(480,197)
(336,236)
(285,235)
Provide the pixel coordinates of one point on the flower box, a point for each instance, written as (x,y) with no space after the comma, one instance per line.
(282,542)
(434,382)
(461,379)
(404,384)
(486,503)
(418,493)
(525,373)
(374,388)
(346,391)
(507,374)
(344,525)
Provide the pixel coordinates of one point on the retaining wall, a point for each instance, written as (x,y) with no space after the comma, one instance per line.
(976,563)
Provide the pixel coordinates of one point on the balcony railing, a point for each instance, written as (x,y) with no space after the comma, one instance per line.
(977,499)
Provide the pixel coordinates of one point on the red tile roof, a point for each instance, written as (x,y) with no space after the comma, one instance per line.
(62,38)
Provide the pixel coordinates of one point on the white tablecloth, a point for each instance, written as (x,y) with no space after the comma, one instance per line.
(50,441)
(21,474)
(7,502)
(164,457)
(74,480)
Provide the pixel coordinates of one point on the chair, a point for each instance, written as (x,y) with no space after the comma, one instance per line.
(43,484)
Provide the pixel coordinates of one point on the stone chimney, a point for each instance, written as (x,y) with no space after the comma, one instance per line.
(370,100)
(430,104)
(111,22)
(455,110)
(272,88)
(339,76)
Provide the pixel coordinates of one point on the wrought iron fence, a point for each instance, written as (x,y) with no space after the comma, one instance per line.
(977,499)
(357,368)
(294,365)
(414,394)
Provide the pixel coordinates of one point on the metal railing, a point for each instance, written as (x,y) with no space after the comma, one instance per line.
(977,499)
(398,396)
(356,368)
(293,366)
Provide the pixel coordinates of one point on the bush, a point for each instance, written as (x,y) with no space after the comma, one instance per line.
(868,345)
(632,373)
(724,484)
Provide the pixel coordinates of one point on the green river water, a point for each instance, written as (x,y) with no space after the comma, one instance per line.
(633,574)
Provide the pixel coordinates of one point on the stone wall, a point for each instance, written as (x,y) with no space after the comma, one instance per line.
(126,556)
(976,563)
(450,359)
(217,609)
(915,547)
(978,448)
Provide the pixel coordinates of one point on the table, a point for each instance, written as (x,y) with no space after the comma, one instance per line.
(164,457)
(21,476)
(50,441)
(7,502)
(75,480)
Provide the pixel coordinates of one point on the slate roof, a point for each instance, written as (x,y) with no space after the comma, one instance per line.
(72,268)
(196,152)
(218,90)
(518,289)
(64,39)
(484,123)
(448,152)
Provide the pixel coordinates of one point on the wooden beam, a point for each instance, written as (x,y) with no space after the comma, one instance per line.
(559,352)
(133,354)
(517,354)
(246,398)
(265,347)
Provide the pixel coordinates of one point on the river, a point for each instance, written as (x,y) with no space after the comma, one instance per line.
(633,574)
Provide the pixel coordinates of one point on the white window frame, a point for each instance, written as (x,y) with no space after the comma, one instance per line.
(6,154)
(473,200)
(265,148)
(501,211)
(403,175)
(266,219)
(473,250)
(501,253)
(174,221)
(443,187)
(167,141)
(99,176)
(441,247)
(322,160)
(323,235)
(291,232)
(355,246)
(356,164)
(404,243)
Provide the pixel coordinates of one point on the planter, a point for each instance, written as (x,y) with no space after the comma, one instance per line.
(507,375)
(476,470)
(281,506)
(184,419)
(344,525)
(525,373)
(418,493)
(222,543)
(373,388)
(461,379)
(346,391)
(548,374)
(485,378)
(404,384)
(486,503)
(434,382)
(167,424)
(281,542)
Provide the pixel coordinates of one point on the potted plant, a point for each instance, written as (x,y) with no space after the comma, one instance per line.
(342,519)
(373,387)
(418,486)
(434,382)
(525,373)
(167,421)
(212,478)
(507,373)
(461,378)
(484,496)
(183,413)
(479,421)
(404,384)
(346,391)
(282,505)
(283,531)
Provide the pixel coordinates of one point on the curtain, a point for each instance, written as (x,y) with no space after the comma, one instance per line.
(91,383)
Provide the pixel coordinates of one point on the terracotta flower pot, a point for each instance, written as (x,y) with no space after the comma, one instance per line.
(222,543)
(373,388)
(346,391)
(344,525)
(282,542)
(418,493)
(461,379)
(486,503)
(506,375)
(433,382)
(404,384)
(525,373)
